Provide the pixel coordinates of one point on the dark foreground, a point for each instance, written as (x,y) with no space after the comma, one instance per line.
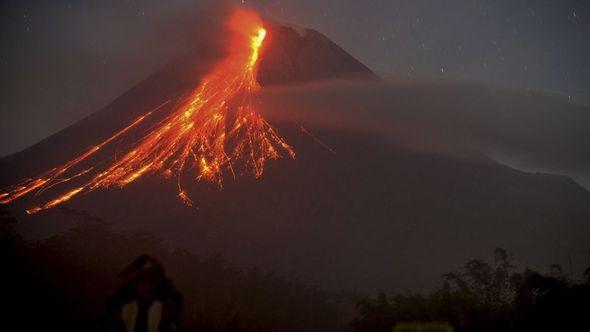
(64,284)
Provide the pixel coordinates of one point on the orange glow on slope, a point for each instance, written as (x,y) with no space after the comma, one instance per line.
(216,128)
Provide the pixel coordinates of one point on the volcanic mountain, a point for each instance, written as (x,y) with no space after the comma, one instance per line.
(387,205)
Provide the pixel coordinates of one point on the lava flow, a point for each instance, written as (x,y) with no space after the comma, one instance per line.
(215,129)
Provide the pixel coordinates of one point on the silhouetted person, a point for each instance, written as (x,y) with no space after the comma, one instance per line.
(146,300)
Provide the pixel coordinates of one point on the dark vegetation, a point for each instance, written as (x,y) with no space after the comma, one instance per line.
(484,297)
(62,284)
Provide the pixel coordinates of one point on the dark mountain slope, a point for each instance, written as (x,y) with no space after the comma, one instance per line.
(372,216)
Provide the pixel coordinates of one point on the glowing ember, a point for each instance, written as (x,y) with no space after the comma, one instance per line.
(216,128)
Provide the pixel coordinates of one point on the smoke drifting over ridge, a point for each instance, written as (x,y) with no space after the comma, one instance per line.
(531,131)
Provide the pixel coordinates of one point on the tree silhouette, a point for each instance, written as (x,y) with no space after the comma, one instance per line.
(484,297)
(67,279)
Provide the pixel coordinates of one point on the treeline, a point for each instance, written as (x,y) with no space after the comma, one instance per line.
(62,284)
(488,297)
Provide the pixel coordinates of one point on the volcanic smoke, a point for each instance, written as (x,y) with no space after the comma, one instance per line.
(217,128)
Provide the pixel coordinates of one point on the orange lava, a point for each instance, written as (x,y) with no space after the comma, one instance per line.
(216,129)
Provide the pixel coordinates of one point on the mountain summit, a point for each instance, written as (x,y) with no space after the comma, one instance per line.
(292,56)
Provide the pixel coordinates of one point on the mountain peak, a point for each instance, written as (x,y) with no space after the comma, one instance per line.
(306,55)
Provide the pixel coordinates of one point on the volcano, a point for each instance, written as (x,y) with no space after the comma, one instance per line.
(353,209)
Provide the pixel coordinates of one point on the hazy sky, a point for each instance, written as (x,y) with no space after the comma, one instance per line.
(62,60)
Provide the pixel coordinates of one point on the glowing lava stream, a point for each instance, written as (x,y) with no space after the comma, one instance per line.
(216,128)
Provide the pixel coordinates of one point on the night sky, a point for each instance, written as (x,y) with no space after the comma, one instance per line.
(62,60)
